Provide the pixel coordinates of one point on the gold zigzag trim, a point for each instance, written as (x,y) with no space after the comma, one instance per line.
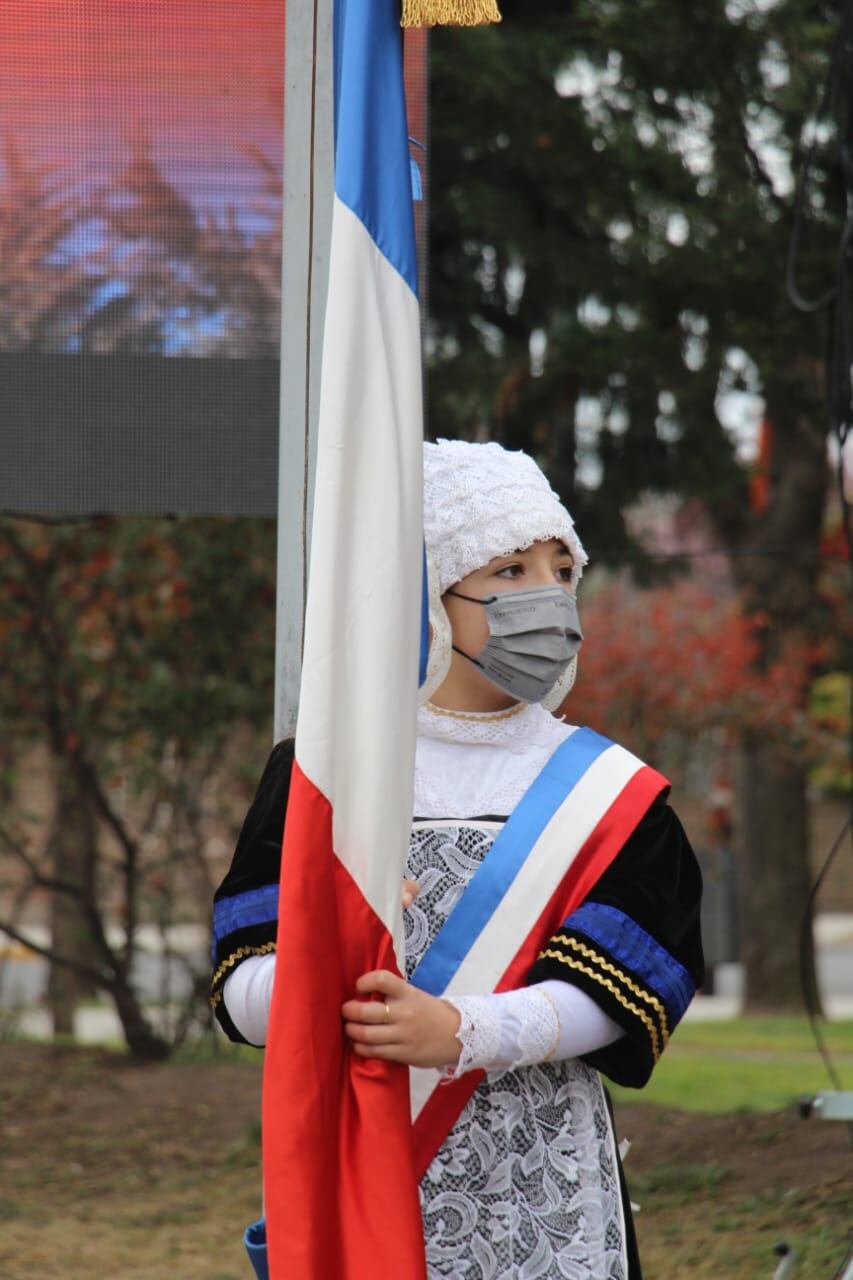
(592,954)
(611,987)
(230,961)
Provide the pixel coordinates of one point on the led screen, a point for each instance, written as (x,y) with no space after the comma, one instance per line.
(140,252)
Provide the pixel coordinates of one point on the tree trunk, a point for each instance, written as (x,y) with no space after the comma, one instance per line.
(142,1041)
(776,565)
(774,878)
(78,931)
(74,860)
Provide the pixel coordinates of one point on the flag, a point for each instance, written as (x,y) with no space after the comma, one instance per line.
(340,1190)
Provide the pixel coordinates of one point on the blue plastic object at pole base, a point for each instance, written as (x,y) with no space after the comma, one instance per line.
(255,1240)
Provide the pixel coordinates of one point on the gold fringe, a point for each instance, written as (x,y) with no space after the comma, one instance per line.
(449,13)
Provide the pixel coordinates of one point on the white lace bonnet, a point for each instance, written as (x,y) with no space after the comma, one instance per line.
(482,501)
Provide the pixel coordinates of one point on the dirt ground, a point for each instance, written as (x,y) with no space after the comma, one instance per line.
(124,1172)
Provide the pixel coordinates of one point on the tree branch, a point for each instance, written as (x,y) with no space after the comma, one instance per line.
(39,879)
(91,782)
(87,971)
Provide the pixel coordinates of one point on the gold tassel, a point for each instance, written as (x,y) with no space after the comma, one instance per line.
(449,13)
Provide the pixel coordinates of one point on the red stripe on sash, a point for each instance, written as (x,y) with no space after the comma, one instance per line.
(446,1102)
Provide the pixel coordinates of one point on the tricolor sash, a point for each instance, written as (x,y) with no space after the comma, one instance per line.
(561,837)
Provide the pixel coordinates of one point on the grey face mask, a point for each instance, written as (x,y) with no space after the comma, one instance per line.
(533,636)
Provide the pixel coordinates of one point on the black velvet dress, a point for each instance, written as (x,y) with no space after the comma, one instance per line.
(633,946)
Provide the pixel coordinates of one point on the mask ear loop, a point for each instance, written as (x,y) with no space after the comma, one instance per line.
(561,690)
(440,640)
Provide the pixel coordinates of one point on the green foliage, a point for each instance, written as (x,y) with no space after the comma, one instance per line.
(830,707)
(612,190)
(612,193)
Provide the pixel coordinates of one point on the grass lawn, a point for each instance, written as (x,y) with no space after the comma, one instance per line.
(126,1172)
(723,1166)
(749,1064)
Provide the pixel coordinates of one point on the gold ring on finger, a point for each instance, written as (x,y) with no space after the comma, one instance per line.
(387,1013)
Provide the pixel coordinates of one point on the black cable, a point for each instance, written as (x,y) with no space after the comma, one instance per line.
(827,109)
(805,975)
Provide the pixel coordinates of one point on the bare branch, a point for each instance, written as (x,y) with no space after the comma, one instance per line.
(38,878)
(92,782)
(87,971)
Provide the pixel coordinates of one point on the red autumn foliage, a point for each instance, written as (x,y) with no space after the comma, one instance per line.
(683,659)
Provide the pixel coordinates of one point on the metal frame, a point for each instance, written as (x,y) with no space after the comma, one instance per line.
(308,175)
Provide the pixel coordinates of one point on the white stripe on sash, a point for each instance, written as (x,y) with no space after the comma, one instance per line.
(536,881)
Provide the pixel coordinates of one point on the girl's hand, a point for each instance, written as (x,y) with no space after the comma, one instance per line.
(403,1024)
(411,889)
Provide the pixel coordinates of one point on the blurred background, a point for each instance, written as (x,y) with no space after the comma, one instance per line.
(610,204)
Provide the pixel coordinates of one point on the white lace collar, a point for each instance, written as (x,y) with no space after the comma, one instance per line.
(482,763)
(516,729)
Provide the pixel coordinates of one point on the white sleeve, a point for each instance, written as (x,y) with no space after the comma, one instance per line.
(247,994)
(550,1021)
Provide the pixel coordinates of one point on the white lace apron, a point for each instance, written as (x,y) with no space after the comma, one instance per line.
(526,1183)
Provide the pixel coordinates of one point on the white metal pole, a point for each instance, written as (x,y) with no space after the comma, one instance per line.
(308,176)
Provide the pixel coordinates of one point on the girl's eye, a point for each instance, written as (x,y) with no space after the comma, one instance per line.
(509,571)
(564,573)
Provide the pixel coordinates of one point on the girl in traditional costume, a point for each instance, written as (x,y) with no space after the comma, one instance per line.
(525,1180)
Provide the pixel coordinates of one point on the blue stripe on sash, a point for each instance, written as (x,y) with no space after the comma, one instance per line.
(255,906)
(507,855)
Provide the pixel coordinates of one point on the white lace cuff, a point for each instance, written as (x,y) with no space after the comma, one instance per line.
(500,1032)
(479,1033)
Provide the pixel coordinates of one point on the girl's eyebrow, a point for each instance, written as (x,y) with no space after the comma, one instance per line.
(560,551)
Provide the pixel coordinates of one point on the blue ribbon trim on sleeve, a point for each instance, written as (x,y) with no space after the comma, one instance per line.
(255,906)
(624,940)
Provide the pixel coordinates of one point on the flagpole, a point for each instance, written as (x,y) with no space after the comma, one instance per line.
(308,186)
